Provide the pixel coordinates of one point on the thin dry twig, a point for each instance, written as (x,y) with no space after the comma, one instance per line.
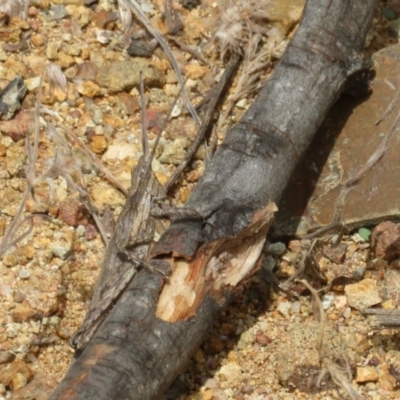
(382,317)
(10,240)
(248,82)
(319,315)
(11,237)
(302,263)
(135,8)
(191,50)
(216,95)
(64,164)
(340,376)
(172,17)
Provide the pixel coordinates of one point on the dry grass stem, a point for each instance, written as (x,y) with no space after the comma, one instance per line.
(214,99)
(65,164)
(11,235)
(136,9)
(241,26)
(248,82)
(307,254)
(340,376)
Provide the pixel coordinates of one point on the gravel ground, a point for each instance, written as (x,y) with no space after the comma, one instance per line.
(264,346)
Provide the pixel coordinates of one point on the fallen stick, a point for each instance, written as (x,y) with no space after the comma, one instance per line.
(155,327)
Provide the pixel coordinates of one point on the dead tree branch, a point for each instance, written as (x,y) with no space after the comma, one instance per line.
(155,327)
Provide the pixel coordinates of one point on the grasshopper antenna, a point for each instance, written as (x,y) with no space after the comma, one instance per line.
(145,141)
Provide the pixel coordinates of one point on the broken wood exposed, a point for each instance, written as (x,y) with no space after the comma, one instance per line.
(153,330)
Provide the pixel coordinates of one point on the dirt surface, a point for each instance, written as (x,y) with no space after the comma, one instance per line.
(264,346)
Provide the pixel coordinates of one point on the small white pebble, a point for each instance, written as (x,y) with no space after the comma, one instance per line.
(90,124)
(211,384)
(98,116)
(99,130)
(347,312)
(80,230)
(102,36)
(5,289)
(218,76)
(295,307)
(191,83)
(176,112)
(242,103)
(340,302)
(64,106)
(327,300)
(334,239)
(24,274)
(23,349)
(284,308)
(54,320)
(66,37)
(357,238)
(35,327)
(12,330)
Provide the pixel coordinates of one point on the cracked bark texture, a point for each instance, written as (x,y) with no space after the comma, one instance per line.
(155,327)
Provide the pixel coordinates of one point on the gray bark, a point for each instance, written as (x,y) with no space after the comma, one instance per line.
(135,354)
